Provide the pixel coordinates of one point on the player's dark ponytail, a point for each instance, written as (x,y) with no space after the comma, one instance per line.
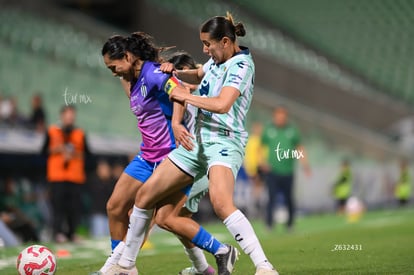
(142,46)
(223,26)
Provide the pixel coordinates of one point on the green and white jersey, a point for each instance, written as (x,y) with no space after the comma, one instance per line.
(237,72)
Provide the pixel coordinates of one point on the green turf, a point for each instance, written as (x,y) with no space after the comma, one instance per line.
(385,242)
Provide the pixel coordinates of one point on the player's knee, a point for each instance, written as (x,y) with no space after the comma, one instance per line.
(115,208)
(222,208)
(143,198)
(164,222)
(110,208)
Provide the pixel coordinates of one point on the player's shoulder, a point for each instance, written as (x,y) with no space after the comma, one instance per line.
(242,60)
(151,70)
(150,67)
(54,128)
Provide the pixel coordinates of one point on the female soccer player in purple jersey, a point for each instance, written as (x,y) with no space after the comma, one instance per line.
(226,89)
(134,59)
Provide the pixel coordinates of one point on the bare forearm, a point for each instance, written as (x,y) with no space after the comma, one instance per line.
(189,76)
(211,104)
(178,113)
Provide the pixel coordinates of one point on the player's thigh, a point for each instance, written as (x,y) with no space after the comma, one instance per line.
(166,180)
(124,192)
(221,183)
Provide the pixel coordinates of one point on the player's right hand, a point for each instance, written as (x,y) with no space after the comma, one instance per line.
(167,67)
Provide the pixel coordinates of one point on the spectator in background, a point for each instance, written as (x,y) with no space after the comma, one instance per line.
(5,109)
(12,214)
(10,114)
(283,144)
(66,149)
(253,159)
(404,185)
(7,237)
(342,188)
(118,167)
(37,120)
(101,187)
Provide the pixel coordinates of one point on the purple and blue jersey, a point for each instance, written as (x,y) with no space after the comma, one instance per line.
(150,104)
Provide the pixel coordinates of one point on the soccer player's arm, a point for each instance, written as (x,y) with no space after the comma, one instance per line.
(193,76)
(181,134)
(176,86)
(126,86)
(220,104)
(238,76)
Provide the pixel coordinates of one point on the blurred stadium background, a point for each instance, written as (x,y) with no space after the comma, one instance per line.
(344,69)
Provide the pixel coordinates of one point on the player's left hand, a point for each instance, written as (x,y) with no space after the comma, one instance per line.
(180,93)
(183,137)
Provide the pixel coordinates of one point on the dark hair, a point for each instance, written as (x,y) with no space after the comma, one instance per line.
(223,26)
(182,59)
(64,108)
(280,107)
(139,44)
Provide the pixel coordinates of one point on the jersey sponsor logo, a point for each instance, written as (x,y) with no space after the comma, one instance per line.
(171,84)
(157,71)
(235,79)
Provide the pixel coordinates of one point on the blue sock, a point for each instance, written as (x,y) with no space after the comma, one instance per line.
(114,243)
(204,240)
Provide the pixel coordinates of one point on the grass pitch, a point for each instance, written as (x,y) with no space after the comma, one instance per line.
(382,242)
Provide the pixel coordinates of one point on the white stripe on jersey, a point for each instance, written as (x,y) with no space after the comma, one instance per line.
(237,72)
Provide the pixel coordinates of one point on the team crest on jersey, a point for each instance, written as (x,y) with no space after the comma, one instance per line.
(144,91)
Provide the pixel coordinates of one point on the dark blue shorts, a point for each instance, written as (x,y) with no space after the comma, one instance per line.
(141,169)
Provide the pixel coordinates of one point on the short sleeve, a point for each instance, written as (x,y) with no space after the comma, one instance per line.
(239,75)
(156,79)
